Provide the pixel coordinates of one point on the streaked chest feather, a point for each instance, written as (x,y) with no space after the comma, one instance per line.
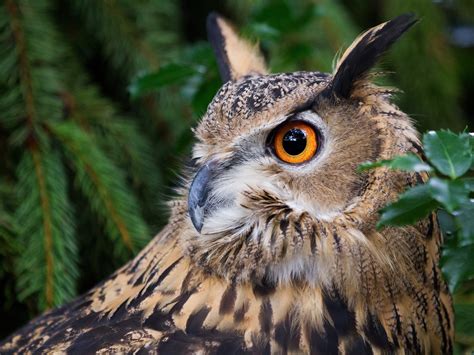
(161,303)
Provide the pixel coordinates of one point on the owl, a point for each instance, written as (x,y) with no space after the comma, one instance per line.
(272,245)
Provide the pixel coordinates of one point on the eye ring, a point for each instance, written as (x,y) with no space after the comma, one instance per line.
(295,142)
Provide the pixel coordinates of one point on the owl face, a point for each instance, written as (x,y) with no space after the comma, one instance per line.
(277,152)
(275,134)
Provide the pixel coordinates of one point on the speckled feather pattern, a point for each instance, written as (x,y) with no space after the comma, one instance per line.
(286,277)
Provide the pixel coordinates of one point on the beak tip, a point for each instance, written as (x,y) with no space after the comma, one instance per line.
(196,214)
(197,222)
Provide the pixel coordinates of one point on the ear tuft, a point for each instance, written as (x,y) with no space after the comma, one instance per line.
(365,51)
(235,56)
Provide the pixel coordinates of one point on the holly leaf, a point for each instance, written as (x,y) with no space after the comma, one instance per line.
(413,205)
(408,162)
(449,193)
(450,153)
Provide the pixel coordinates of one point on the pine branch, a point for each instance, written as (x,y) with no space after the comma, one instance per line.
(47,266)
(119,31)
(29,54)
(117,134)
(105,187)
(127,44)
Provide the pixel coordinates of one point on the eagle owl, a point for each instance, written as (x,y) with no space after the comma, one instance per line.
(271,246)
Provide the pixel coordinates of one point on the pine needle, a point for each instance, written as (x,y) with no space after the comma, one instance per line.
(47,264)
(105,187)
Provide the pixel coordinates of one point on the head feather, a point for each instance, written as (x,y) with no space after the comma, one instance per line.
(235,56)
(364,52)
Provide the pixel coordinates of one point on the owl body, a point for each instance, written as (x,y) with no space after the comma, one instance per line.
(261,255)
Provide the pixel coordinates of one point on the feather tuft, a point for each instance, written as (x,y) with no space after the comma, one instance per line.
(365,51)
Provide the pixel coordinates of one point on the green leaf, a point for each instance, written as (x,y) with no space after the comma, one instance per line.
(465,220)
(457,265)
(447,223)
(168,75)
(413,205)
(264,31)
(450,153)
(409,162)
(449,193)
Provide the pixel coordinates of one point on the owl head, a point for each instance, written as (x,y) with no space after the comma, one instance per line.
(275,194)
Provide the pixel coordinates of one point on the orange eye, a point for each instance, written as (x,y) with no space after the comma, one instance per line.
(295,142)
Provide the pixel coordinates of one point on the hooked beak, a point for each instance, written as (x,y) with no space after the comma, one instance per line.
(198,195)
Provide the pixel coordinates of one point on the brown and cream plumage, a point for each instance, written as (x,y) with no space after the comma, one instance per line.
(265,256)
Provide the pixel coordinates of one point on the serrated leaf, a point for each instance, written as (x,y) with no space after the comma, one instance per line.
(450,153)
(169,74)
(408,162)
(449,193)
(412,205)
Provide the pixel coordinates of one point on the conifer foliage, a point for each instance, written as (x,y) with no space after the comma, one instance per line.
(72,162)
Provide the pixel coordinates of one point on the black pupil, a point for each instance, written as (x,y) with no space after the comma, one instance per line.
(294,141)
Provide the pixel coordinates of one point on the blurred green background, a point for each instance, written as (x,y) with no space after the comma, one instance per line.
(97,98)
